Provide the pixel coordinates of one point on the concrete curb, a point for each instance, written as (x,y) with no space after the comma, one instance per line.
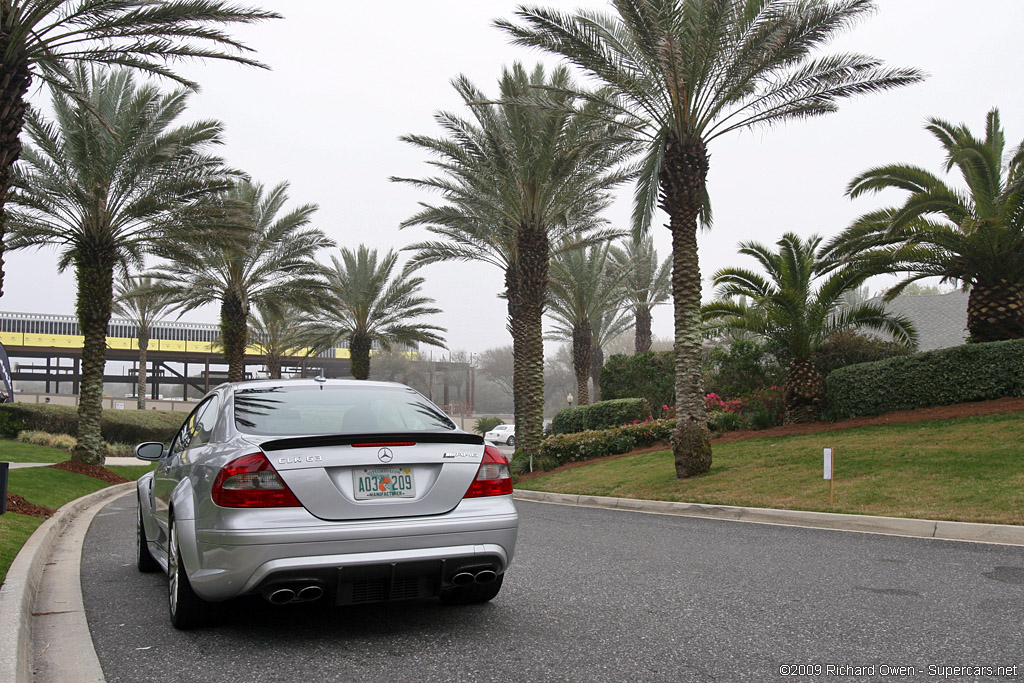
(922,528)
(19,592)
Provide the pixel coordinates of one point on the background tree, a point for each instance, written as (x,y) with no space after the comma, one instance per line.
(137,301)
(105,195)
(49,39)
(583,288)
(515,181)
(605,328)
(647,284)
(370,301)
(798,307)
(973,238)
(269,262)
(690,71)
(276,333)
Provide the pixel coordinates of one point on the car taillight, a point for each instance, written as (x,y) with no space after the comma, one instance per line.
(252,482)
(493,477)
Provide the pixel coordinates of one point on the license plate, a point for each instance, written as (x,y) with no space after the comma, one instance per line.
(383,482)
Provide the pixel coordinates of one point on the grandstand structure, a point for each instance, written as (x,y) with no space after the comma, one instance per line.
(184,360)
(50,350)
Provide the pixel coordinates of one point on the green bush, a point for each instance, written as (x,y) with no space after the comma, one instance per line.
(650,376)
(850,348)
(741,367)
(600,415)
(562,448)
(486,424)
(720,421)
(973,372)
(117,426)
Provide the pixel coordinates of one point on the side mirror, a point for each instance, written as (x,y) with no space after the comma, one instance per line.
(151,450)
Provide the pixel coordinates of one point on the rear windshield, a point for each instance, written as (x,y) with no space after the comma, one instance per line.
(315,409)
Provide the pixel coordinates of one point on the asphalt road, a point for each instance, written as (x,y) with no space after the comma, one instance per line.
(604,595)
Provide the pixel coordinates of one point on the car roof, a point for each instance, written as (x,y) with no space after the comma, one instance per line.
(312,381)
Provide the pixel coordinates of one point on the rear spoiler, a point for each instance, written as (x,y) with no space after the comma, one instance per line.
(374,437)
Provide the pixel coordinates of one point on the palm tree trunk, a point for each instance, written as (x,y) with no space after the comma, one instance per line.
(596,365)
(803,392)
(642,336)
(526,287)
(359,346)
(15,78)
(95,274)
(683,183)
(995,311)
(140,401)
(274,365)
(234,333)
(581,339)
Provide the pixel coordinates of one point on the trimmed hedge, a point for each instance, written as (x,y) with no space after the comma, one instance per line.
(650,376)
(600,415)
(562,448)
(973,372)
(117,426)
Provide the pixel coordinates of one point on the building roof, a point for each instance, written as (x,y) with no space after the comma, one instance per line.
(940,319)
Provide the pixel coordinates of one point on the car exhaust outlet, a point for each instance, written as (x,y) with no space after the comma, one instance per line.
(310,593)
(486,576)
(281,596)
(463,579)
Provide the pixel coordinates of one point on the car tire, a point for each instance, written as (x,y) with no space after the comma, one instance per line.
(145,561)
(187,609)
(511,441)
(473,594)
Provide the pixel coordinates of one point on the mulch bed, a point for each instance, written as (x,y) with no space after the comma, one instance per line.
(996,407)
(20,506)
(95,471)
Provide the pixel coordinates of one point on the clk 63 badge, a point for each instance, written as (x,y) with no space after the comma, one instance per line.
(457,454)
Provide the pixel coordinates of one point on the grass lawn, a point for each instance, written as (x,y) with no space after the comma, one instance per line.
(15,451)
(969,469)
(43,486)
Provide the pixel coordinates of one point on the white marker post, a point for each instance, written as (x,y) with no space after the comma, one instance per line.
(828,472)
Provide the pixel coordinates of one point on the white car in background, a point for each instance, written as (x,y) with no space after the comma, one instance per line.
(505,434)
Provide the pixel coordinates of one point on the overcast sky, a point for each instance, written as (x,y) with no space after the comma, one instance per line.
(349,78)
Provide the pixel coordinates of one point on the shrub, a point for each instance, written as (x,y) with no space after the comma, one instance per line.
(600,415)
(486,424)
(597,443)
(117,426)
(722,421)
(973,372)
(62,441)
(850,348)
(741,367)
(650,376)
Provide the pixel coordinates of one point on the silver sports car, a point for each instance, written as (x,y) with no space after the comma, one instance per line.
(311,489)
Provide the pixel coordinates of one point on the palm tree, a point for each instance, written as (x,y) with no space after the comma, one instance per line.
(608,325)
(270,264)
(798,307)
(48,39)
(371,303)
(105,195)
(136,300)
(517,180)
(583,289)
(691,71)
(276,333)
(647,284)
(973,238)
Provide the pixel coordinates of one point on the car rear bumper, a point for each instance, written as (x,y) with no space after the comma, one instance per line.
(430,551)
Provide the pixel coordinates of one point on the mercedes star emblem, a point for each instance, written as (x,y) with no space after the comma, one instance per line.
(385,455)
